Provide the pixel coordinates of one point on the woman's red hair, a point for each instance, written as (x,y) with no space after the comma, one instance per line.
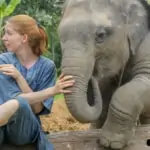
(37,36)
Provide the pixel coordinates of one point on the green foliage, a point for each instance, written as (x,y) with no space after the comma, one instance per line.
(148,1)
(59,96)
(6,10)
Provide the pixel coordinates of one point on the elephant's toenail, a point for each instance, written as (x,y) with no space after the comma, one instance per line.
(104,142)
(116,145)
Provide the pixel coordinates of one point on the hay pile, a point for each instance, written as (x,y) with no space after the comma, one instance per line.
(60,119)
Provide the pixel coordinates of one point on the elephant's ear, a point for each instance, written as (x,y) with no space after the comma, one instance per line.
(137,24)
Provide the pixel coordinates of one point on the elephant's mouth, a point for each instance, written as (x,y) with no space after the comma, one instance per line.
(93,91)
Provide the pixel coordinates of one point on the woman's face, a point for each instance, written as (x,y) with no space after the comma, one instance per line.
(13,41)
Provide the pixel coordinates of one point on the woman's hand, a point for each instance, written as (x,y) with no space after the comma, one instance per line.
(62,83)
(10,70)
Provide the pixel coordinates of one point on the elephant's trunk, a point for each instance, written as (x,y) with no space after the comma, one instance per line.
(85,102)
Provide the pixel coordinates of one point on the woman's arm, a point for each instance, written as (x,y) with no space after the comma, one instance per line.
(25,88)
(22,83)
(37,97)
(62,83)
(9,69)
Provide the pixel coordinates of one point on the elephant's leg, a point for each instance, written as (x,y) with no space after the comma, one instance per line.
(127,104)
(129,101)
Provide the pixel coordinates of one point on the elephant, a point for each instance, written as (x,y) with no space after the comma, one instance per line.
(106,48)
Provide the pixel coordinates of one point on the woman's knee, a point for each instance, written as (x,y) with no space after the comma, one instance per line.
(23,125)
(24,111)
(24,106)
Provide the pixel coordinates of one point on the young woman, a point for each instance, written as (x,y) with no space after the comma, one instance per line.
(27,83)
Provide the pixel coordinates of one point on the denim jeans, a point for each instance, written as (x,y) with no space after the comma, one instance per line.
(24,128)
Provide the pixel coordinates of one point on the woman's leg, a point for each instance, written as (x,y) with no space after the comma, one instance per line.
(7,110)
(24,126)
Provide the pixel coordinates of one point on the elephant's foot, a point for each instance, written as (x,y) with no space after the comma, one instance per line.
(110,139)
(116,131)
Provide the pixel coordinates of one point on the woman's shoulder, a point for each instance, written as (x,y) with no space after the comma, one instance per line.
(45,66)
(46,62)
(6,54)
(7,57)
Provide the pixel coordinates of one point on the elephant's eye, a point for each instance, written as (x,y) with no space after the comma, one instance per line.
(101,34)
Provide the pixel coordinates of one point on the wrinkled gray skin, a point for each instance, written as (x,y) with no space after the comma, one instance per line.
(106,47)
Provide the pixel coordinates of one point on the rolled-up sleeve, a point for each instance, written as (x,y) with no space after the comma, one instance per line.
(48,80)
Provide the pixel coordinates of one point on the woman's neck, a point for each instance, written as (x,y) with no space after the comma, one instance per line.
(27,58)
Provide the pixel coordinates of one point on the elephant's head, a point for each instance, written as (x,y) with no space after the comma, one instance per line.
(95,48)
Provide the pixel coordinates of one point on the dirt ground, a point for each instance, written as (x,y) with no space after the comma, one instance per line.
(60,119)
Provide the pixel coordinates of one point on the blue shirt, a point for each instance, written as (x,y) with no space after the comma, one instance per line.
(40,76)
